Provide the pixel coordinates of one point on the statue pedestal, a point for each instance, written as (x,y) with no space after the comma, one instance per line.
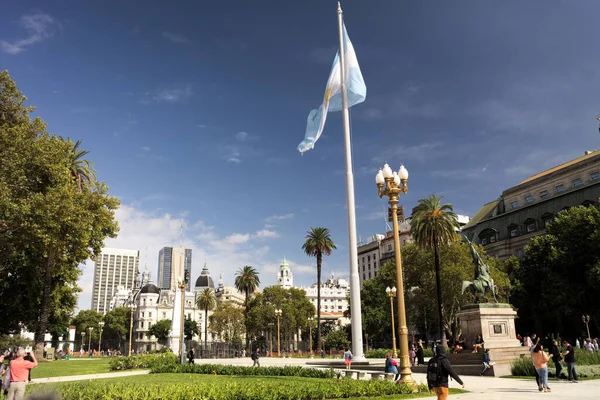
(495,322)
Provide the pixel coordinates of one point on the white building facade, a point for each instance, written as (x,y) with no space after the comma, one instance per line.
(113,269)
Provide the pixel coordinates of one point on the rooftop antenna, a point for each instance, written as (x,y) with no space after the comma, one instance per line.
(598,118)
(385,220)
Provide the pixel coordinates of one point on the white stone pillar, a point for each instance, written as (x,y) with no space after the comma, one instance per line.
(175,335)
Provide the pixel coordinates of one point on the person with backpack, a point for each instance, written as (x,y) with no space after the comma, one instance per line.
(348,358)
(438,370)
(255,356)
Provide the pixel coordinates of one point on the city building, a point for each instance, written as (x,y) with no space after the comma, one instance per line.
(229,293)
(378,249)
(504,226)
(113,269)
(120,298)
(173,262)
(285,279)
(334,299)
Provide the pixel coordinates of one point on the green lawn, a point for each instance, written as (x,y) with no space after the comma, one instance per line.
(47,369)
(220,387)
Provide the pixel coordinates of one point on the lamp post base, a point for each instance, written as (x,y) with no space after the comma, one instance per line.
(407,379)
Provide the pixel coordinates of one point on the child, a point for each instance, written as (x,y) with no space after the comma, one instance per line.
(412,354)
(348,358)
(486,361)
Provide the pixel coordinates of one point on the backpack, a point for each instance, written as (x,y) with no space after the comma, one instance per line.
(434,372)
(253,356)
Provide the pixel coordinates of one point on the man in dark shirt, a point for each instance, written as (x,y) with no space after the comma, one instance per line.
(440,386)
(570,361)
(556,357)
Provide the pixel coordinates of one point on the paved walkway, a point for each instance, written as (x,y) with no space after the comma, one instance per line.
(479,387)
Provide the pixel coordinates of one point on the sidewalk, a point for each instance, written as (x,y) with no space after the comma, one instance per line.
(90,376)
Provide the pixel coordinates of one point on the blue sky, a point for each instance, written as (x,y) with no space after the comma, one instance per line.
(192,112)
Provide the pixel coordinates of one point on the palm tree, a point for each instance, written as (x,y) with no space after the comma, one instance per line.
(434,224)
(247,281)
(318,242)
(81,169)
(206,300)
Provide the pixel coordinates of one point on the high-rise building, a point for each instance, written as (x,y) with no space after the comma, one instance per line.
(113,269)
(173,262)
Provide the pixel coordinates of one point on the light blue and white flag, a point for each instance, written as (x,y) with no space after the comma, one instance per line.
(332,101)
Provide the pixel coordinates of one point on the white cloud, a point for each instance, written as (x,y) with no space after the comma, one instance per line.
(201,126)
(175,37)
(173,94)
(38,27)
(241,136)
(234,160)
(150,231)
(145,148)
(283,217)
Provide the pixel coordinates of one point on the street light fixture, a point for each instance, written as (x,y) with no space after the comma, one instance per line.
(132,308)
(82,336)
(391,184)
(586,320)
(90,329)
(310,323)
(278,314)
(392,293)
(101,325)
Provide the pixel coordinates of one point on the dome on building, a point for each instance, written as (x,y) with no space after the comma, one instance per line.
(150,289)
(204,280)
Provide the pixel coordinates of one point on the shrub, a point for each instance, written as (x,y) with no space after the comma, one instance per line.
(216,369)
(143,361)
(229,390)
(522,367)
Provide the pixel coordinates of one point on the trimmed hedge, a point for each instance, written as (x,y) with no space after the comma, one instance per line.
(524,367)
(216,369)
(233,389)
(143,361)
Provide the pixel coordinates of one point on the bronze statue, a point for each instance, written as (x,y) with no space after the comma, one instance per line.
(483,281)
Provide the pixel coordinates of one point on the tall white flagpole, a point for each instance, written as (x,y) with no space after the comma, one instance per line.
(356,318)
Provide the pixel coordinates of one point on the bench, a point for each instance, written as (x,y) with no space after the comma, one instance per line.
(359,374)
(388,376)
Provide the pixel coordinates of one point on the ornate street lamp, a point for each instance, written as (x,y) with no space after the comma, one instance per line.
(101,325)
(391,184)
(82,336)
(278,314)
(90,329)
(181,286)
(586,320)
(132,308)
(310,324)
(392,293)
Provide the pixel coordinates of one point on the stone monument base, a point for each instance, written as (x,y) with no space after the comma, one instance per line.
(495,322)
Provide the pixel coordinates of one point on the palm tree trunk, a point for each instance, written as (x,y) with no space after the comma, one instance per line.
(45,306)
(246,321)
(205,326)
(319,259)
(436,258)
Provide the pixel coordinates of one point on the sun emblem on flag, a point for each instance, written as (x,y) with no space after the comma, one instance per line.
(327,95)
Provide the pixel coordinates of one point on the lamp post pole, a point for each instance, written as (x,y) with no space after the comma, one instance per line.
(90,329)
(82,336)
(132,307)
(310,321)
(392,293)
(181,286)
(271,325)
(101,325)
(391,184)
(278,314)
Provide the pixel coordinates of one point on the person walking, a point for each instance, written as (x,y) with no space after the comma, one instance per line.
(191,356)
(255,356)
(556,359)
(438,370)
(569,355)
(348,358)
(540,361)
(19,369)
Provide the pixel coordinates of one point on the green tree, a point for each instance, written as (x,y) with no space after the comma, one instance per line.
(227,321)
(116,328)
(190,328)
(558,280)
(318,242)
(434,224)
(160,331)
(49,226)
(81,169)
(84,320)
(206,301)
(337,339)
(247,281)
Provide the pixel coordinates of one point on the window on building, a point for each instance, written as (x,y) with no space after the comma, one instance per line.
(142,324)
(528,198)
(375,273)
(560,188)
(374,256)
(530,225)
(543,194)
(595,176)
(142,314)
(364,277)
(369,267)
(164,315)
(513,230)
(363,260)
(369,258)
(369,275)
(389,247)
(374,264)
(484,241)
(577,182)
(514,204)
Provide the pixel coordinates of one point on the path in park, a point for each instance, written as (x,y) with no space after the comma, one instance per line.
(479,387)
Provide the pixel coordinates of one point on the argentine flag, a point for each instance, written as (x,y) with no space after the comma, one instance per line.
(356,91)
